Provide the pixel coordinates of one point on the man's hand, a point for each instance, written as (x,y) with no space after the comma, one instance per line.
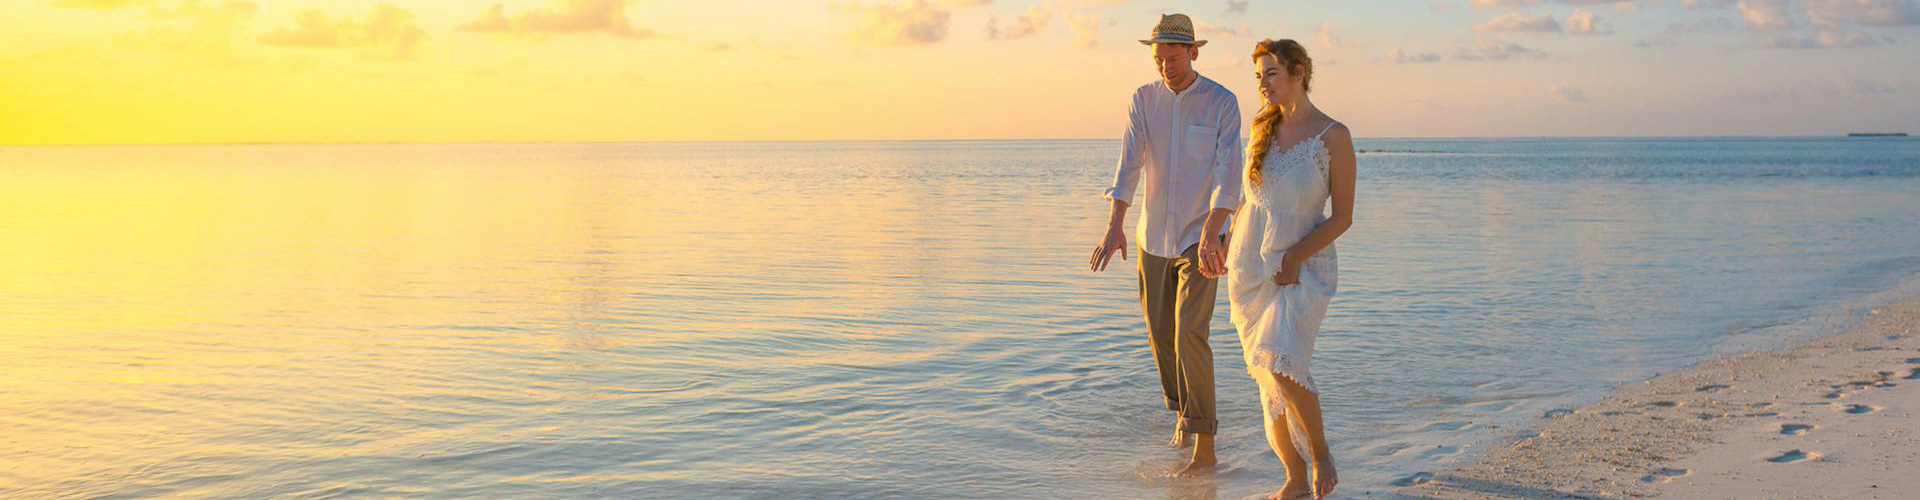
(1213,257)
(1116,241)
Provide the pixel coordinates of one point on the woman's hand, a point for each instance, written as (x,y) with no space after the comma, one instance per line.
(1289,273)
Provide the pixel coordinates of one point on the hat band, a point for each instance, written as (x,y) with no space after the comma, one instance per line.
(1173,36)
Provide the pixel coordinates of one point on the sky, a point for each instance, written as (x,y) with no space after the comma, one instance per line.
(254,71)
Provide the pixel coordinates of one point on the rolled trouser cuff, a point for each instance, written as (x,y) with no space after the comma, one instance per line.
(1206,426)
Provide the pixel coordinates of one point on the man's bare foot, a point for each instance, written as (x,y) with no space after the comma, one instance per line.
(1198,467)
(1203,458)
(1324,478)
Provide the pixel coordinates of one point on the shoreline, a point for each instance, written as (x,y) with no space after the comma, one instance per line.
(1828,417)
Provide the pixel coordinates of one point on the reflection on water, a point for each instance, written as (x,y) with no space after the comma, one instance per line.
(842,320)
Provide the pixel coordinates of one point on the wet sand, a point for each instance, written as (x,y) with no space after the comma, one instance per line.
(1833,417)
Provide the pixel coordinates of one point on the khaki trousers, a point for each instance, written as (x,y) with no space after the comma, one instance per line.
(1179,305)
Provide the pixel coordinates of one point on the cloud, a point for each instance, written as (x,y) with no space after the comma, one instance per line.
(1501,4)
(1583,22)
(1866,12)
(569,17)
(1206,29)
(1328,39)
(1570,94)
(387,32)
(1620,5)
(1710,24)
(1823,39)
(1515,22)
(961,4)
(1086,29)
(1237,8)
(1862,86)
(1766,14)
(1711,4)
(1489,50)
(1032,22)
(913,23)
(1399,56)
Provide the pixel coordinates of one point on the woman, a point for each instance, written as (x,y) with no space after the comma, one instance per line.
(1281,272)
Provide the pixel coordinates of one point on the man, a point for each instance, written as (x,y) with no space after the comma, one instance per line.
(1183,142)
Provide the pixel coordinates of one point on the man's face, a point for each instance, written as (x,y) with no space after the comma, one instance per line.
(1175,60)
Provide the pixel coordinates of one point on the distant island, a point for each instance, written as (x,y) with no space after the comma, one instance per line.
(1877,134)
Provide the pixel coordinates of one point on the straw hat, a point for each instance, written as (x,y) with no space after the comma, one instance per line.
(1174,28)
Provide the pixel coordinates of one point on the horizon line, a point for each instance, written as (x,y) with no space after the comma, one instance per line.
(741,141)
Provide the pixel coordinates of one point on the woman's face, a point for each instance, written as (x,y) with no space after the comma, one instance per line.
(1275,85)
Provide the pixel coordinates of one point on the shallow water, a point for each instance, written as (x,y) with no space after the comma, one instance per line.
(847,320)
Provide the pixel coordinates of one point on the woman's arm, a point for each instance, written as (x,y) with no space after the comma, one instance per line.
(1340,179)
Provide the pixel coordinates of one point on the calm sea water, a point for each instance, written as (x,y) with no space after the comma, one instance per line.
(848,320)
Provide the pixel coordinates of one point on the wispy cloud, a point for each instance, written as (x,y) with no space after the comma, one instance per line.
(1863,12)
(1492,50)
(1032,22)
(913,23)
(1862,86)
(1516,22)
(388,32)
(1237,8)
(1501,4)
(1570,94)
(568,17)
(1584,22)
(1766,14)
(1206,29)
(1398,55)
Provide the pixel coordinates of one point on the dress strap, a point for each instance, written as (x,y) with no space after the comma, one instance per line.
(1323,131)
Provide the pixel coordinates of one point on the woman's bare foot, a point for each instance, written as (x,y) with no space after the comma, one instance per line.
(1295,489)
(1324,478)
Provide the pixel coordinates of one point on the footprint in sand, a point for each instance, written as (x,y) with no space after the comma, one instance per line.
(1664,475)
(1389,449)
(1561,412)
(1913,360)
(1857,409)
(1793,456)
(1709,388)
(1764,414)
(1662,404)
(1913,374)
(1795,429)
(1412,479)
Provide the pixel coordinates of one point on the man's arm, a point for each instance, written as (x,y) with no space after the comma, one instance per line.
(1226,190)
(1126,178)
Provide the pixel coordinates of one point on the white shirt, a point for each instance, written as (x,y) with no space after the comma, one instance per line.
(1186,147)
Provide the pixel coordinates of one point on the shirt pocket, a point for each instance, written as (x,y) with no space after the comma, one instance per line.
(1198,145)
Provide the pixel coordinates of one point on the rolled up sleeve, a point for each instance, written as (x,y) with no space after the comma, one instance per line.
(1227,159)
(1126,175)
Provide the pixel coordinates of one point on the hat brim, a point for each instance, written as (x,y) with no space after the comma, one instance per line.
(1195,43)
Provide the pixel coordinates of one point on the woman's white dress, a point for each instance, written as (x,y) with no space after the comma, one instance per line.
(1277,323)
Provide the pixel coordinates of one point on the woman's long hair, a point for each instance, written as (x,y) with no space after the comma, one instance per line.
(1292,57)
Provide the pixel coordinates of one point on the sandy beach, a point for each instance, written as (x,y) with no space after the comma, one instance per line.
(1832,417)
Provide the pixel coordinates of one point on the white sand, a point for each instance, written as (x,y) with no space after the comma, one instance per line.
(1719,429)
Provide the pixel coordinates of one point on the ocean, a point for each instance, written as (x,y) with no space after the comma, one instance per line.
(851,319)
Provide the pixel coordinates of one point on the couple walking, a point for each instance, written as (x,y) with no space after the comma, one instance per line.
(1183,143)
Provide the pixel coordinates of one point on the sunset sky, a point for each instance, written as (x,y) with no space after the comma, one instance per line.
(219,71)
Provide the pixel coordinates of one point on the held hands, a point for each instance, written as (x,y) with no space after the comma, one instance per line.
(1116,241)
(1213,256)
